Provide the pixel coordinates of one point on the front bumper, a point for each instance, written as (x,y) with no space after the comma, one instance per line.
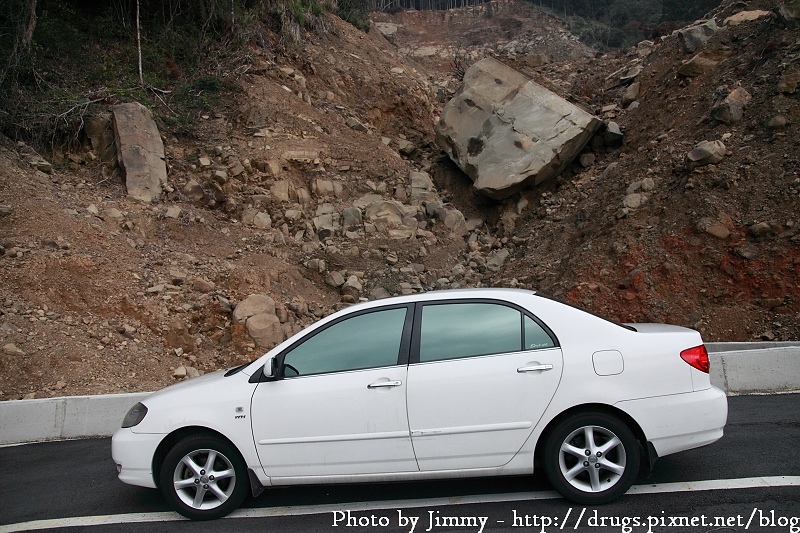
(133,453)
(680,421)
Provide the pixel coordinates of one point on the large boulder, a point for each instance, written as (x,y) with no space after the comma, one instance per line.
(507,132)
(140,152)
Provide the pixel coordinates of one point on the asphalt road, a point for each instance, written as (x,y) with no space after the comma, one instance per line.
(749,480)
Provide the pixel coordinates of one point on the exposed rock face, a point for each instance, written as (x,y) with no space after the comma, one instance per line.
(140,151)
(505,131)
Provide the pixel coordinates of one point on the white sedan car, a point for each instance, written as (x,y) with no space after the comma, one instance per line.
(481,382)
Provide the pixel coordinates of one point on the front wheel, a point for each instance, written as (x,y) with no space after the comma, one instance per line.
(204,478)
(591,458)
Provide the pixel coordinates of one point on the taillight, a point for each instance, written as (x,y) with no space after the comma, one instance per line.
(697,357)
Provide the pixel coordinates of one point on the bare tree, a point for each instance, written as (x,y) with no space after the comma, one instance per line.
(139,44)
(25,23)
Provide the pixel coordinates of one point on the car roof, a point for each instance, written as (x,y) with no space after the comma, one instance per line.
(448,294)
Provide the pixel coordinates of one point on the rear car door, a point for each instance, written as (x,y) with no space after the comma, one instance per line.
(482,374)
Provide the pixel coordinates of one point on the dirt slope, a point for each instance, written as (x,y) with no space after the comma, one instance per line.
(101,294)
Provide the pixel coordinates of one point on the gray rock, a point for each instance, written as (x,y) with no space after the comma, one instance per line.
(355,124)
(378,293)
(731,109)
(777,122)
(422,188)
(497,259)
(713,227)
(631,94)
(706,153)
(634,200)
(609,170)
(453,220)
(203,286)
(631,74)
(12,349)
(280,191)
(586,160)
(5,210)
(761,231)
(193,191)
(386,215)
(697,66)
(506,132)
(696,36)
(265,329)
(406,147)
(255,304)
(140,151)
(745,16)
(613,135)
(474,223)
(352,218)
(352,286)
(747,251)
(262,220)
(334,278)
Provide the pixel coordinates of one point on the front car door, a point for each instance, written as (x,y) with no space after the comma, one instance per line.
(340,407)
(482,374)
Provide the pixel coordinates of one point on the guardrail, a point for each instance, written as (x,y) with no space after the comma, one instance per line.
(736,368)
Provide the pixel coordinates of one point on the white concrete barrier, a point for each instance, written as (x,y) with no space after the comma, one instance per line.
(736,368)
(68,417)
(743,367)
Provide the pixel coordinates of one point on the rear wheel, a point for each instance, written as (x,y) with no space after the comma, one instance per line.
(204,477)
(591,458)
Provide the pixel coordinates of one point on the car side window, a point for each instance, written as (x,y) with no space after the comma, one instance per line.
(536,338)
(450,331)
(368,340)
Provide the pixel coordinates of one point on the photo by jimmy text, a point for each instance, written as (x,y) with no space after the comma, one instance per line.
(755,519)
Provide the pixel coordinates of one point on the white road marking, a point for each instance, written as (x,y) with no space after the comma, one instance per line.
(299,510)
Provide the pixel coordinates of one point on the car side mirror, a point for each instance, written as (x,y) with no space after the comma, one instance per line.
(270,369)
(268,372)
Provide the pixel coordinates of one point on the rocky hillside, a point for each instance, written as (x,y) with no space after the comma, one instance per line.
(319,185)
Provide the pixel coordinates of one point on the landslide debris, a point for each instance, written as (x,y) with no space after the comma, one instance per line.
(320,185)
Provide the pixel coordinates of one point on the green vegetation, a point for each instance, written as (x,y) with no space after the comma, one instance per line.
(61,60)
(355,12)
(607,24)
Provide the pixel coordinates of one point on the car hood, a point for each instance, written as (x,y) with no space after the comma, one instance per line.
(195,383)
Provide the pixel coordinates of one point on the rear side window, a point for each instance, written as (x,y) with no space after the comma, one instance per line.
(450,331)
(536,338)
(370,340)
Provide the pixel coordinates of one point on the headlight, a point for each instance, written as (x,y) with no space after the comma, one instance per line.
(134,416)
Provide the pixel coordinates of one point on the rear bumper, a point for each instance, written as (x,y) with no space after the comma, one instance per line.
(680,421)
(133,453)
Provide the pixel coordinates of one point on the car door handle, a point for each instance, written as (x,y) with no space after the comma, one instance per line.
(534,368)
(380,384)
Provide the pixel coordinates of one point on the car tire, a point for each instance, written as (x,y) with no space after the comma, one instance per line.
(591,458)
(204,477)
